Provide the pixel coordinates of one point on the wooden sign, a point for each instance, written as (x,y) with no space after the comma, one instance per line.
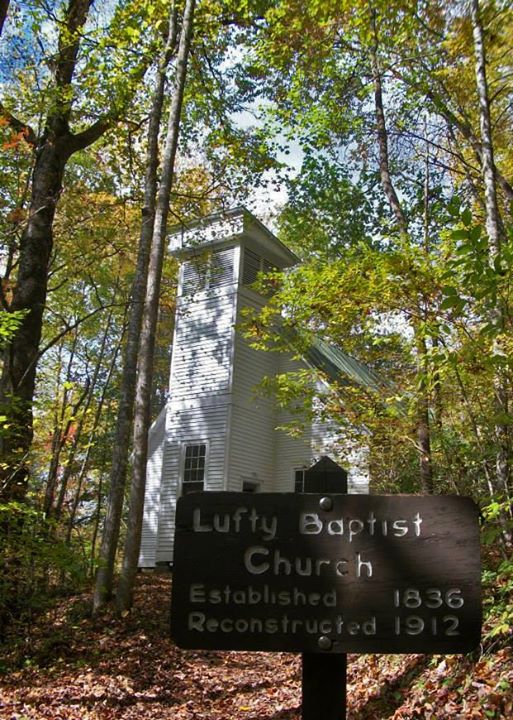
(326,573)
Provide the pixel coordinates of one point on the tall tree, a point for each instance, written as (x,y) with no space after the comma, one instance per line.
(354,41)
(4,7)
(493,225)
(52,147)
(330,69)
(110,535)
(149,319)
(423,413)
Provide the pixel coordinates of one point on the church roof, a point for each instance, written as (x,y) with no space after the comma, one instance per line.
(335,363)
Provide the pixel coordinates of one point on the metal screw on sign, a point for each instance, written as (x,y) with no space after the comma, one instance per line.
(326,503)
(324,643)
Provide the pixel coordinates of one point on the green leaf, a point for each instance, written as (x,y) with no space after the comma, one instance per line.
(475,233)
(466,217)
(454,206)
(452,301)
(449,290)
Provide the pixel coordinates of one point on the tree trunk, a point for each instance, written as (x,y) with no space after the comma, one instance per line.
(121,446)
(52,150)
(96,525)
(20,358)
(493,225)
(88,397)
(4,7)
(96,421)
(150,315)
(465,129)
(423,422)
(423,405)
(487,161)
(58,434)
(382,136)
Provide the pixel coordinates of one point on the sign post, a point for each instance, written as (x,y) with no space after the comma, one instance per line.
(324,686)
(324,677)
(326,574)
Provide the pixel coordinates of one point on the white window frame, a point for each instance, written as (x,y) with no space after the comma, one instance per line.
(183,451)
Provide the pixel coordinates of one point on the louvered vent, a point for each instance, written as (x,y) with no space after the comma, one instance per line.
(251,267)
(208,271)
(253,264)
(194,275)
(267,266)
(221,269)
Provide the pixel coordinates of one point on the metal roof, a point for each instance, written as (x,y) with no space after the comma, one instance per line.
(334,362)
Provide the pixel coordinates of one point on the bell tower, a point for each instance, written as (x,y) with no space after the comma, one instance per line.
(214,434)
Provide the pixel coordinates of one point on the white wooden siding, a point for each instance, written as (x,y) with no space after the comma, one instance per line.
(252,449)
(251,366)
(190,425)
(147,553)
(200,386)
(249,370)
(203,344)
(199,424)
(168,498)
(252,435)
(291,452)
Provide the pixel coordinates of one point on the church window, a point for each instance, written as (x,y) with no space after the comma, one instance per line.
(299,480)
(194,468)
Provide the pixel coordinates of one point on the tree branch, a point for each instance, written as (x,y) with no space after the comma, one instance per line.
(66,330)
(69,40)
(90,135)
(18,125)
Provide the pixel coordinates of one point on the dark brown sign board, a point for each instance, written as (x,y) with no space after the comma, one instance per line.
(326,573)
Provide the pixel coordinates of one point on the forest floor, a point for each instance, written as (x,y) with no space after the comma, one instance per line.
(69,666)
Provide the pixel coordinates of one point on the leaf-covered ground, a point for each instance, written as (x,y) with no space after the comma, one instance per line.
(70,667)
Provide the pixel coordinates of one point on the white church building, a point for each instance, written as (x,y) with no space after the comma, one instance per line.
(216,432)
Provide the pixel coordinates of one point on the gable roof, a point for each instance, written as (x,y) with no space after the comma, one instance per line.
(335,363)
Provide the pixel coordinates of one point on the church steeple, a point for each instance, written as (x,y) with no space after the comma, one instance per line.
(217,432)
